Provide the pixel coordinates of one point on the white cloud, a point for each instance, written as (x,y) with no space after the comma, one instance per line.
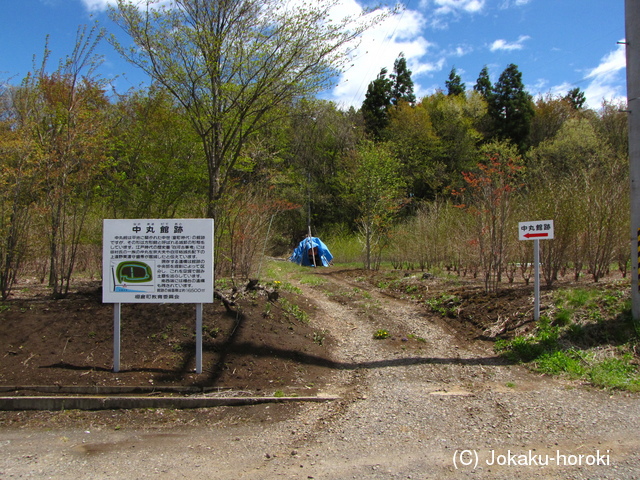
(604,82)
(503,45)
(101,5)
(454,6)
(460,51)
(518,3)
(610,65)
(604,79)
(380,47)
(97,5)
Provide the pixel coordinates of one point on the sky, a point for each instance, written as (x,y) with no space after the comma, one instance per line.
(557,44)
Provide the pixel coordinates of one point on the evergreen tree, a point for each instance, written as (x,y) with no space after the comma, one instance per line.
(375,107)
(511,107)
(454,84)
(383,93)
(402,89)
(484,89)
(483,85)
(576,98)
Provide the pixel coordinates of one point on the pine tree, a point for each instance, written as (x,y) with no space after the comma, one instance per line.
(483,85)
(454,84)
(576,98)
(375,107)
(511,107)
(402,89)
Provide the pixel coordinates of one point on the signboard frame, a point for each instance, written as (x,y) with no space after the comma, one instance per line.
(536,231)
(157,261)
(540,230)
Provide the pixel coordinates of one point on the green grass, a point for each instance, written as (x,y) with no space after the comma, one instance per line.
(445,304)
(293,310)
(312,280)
(568,362)
(590,336)
(615,373)
(344,246)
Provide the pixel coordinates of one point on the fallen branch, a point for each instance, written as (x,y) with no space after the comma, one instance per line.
(228,303)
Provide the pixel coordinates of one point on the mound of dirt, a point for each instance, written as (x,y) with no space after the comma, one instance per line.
(259,346)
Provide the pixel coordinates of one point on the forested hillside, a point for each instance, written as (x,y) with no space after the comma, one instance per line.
(232,129)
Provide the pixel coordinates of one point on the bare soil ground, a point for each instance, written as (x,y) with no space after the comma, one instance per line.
(431,401)
(253,348)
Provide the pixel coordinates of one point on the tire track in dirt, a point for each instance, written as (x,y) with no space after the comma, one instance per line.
(416,407)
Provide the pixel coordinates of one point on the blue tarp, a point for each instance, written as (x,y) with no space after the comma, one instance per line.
(302,255)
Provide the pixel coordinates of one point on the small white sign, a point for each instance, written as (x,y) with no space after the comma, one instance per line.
(540,230)
(157,261)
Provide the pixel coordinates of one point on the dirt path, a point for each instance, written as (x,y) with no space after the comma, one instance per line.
(425,404)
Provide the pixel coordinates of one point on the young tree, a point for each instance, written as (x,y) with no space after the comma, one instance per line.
(412,136)
(488,195)
(571,178)
(317,138)
(376,192)
(63,113)
(454,118)
(152,164)
(550,114)
(455,86)
(16,192)
(235,65)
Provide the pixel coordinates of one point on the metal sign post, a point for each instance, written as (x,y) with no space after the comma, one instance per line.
(116,337)
(198,338)
(536,231)
(536,277)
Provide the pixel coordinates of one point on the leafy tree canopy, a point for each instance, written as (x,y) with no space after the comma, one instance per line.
(232,64)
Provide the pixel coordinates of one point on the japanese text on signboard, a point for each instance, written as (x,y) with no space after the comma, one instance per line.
(158,261)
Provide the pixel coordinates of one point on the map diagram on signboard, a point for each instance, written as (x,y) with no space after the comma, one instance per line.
(132,276)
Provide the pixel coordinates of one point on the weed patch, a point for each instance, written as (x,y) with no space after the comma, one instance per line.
(585,323)
(293,310)
(447,305)
(381,334)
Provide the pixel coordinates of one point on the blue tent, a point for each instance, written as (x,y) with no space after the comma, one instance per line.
(311,252)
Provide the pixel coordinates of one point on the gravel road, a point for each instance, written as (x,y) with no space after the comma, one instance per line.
(449,410)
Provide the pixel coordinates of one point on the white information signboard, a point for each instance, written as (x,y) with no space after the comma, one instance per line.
(157,261)
(539,230)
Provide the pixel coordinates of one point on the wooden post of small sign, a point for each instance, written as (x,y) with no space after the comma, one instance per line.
(540,230)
